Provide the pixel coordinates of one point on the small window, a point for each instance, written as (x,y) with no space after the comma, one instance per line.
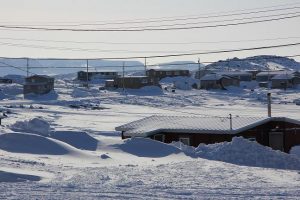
(176,73)
(159,137)
(169,73)
(185,140)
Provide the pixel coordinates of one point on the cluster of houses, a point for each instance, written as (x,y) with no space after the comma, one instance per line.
(208,79)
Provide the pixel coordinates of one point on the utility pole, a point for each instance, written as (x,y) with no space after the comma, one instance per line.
(123,74)
(230,121)
(145,66)
(199,72)
(27,66)
(87,73)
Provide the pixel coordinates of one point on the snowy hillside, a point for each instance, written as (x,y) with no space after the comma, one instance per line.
(263,62)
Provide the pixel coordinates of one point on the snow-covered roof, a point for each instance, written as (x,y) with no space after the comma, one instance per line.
(193,124)
(266,73)
(235,73)
(214,77)
(283,77)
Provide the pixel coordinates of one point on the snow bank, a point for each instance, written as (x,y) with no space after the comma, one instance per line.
(83,92)
(10,91)
(241,151)
(15,177)
(144,91)
(80,140)
(33,144)
(180,82)
(35,125)
(52,95)
(144,147)
(295,151)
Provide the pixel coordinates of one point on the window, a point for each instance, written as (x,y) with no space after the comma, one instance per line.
(184,140)
(159,137)
(169,73)
(176,73)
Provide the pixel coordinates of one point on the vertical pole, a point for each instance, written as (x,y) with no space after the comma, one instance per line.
(269,105)
(145,66)
(27,66)
(87,73)
(123,74)
(199,72)
(230,119)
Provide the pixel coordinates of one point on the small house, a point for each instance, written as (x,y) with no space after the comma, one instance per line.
(217,81)
(84,76)
(268,75)
(5,80)
(284,81)
(38,84)
(135,82)
(279,133)
(241,75)
(163,73)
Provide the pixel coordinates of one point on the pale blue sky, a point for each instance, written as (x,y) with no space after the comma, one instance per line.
(23,12)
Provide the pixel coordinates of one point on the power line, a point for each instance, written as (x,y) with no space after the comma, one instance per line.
(144,29)
(149,43)
(151,65)
(187,17)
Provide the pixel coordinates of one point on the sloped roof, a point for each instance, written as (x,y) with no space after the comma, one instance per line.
(193,124)
(283,77)
(266,73)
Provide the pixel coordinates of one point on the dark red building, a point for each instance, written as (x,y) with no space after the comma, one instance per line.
(280,133)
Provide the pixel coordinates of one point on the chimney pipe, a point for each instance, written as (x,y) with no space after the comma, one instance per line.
(269,105)
(230,119)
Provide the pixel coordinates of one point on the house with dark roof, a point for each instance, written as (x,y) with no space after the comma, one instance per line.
(218,81)
(91,75)
(284,81)
(38,84)
(163,73)
(279,133)
(135,82)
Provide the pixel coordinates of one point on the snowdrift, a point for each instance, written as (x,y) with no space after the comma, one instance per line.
(180,82)
(241,151)
(15,177)
(33,144)
(80,140)
(52,95)
(295,151)
(144,91)
(35,125)
(144,147)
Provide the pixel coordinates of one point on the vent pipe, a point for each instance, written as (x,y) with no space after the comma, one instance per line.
(230,119)
(269,105)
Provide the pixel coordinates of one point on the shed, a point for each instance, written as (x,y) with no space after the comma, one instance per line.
(217,81)
(5,80)
(268,75)
(38,84)
(279,133)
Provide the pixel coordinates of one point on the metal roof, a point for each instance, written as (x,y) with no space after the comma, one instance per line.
(193,124)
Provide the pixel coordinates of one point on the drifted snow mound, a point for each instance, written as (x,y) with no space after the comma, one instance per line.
(52,95)
(180,82)
(33,144)
(15,177)
(35,125)
(83,92)
(80,140)
(145,91)
(144,147)
(241,151)
(295,151)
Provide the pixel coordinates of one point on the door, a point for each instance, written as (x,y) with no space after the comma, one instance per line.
(276,140)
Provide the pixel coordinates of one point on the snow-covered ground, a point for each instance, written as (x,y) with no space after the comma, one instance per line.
(63,146)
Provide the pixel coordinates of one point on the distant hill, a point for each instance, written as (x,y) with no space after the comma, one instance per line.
(263,62)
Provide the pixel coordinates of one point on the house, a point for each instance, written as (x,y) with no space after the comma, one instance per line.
(163,73)
(268,75)
(284,81)
(5,80)
(84,76)
(135,82)
(217,81)
(38,84)
(279,133)
(241,75)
